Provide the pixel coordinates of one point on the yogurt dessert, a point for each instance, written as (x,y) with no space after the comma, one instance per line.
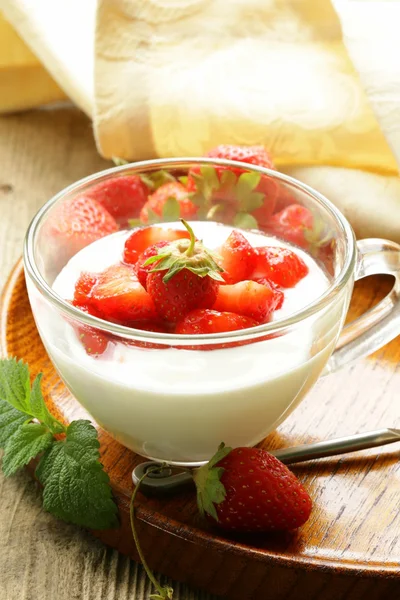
(176,403)
(191,345)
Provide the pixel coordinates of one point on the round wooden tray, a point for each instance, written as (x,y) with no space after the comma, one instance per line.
(350,547)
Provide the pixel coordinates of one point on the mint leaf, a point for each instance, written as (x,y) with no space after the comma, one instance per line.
(76,488)
(245,221)
(171,210)
(11,420)
(15,390)
(27,442)
(39,410)
(15,383)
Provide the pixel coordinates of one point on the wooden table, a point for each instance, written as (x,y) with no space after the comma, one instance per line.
(42,558)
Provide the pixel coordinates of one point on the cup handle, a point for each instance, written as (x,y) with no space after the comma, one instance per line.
(380,324)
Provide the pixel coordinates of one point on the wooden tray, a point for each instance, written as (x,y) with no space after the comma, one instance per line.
(349,549)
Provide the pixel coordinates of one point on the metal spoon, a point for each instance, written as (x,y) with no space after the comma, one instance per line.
(169,479)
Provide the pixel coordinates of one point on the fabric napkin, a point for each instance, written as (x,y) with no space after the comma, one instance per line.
(318,83)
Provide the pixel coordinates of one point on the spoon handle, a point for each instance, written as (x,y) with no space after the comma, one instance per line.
(169,481)
(352,443)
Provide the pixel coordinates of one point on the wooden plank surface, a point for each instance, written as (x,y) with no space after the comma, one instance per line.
(42,558)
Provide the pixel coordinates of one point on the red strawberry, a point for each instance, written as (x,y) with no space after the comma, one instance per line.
(76,224)
(123,197)
(184,292)
(280,296)
(83,288)
(142,238)
(93,340)
(120,298)
(284,198)
(249,299)
(249,490)
(210,321)
(155,326)
(238,258)
(293,224)
(157,202)
(280,265)
(141,269)
(184,276)
(248,192)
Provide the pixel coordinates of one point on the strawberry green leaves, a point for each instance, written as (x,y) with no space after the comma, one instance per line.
(76,488)
(186,254)
(209,488)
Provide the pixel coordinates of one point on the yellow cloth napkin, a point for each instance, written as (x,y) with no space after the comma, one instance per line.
(317,82)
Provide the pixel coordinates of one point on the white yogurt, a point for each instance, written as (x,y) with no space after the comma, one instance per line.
(178,405)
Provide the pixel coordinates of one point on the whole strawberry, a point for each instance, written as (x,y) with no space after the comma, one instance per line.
(168,201)
(235,194)
(184,276)
(249,490)
(123,196)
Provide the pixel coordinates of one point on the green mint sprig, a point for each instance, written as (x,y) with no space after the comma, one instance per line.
(76,488)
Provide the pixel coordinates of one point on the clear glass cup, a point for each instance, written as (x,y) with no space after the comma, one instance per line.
(173,397)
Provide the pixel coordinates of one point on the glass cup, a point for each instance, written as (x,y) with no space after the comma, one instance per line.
(175,398)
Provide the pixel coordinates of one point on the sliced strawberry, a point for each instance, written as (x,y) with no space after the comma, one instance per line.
(155,326)
(141,269)
(293,224)
(83,288)
(123,197)
(238,258)
(202,321)
(142,238)
(280,296)
(178,198)
(280,265)
(93,340)
(120,297)
(247,298)
(76,224)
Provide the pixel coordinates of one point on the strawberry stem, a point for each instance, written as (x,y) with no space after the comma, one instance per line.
(164,593)
(189,251)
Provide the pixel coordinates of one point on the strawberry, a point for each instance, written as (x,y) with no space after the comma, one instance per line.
(185,277)
(210,321)
(120,298)
(93,340)
(155,326)
(169,202)
(83,288)
(249,490)
(238,258)
(141,269)
(284,198)
(144,237)
(123,197)
(248,298)
(77,223)
(292,224)
(249,192)
(280,265)
(280,296)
